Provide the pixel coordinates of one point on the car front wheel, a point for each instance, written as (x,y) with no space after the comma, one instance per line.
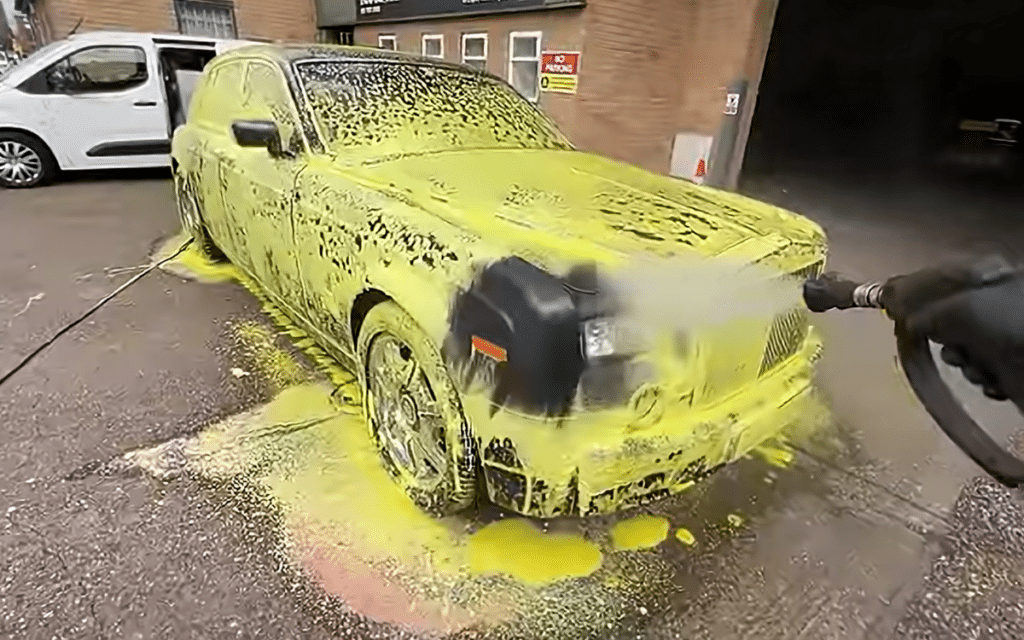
(414,412)
(25,161)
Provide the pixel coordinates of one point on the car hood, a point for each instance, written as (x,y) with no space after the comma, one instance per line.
(570,204)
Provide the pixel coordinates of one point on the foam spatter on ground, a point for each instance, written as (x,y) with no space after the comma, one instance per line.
(352,530)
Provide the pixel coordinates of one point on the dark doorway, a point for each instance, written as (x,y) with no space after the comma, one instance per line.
(854,89)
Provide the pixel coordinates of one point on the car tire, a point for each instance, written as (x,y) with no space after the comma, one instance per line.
(414,412)
(25,161)
(192,219)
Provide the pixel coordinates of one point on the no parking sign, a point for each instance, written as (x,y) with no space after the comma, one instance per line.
(559,71)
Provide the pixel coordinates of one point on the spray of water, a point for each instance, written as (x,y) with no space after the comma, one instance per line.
(685,295)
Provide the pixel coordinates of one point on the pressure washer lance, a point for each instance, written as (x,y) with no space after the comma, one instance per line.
(832,292)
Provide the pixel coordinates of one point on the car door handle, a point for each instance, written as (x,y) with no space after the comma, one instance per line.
(145,103)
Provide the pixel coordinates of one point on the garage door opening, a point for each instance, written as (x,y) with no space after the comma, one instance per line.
(911,91)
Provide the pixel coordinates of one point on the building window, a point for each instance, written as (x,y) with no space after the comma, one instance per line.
(340,35)
(203,18)
(474,50)
(387,42)
(524,62)
(433,45)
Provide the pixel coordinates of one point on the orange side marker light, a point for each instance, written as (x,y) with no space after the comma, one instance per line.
(489,349)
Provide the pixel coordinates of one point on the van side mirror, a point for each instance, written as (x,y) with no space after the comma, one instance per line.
(258,133)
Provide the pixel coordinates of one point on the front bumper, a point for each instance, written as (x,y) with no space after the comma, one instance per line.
(592,464)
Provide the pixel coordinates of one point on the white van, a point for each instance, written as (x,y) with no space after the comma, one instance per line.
(98,100)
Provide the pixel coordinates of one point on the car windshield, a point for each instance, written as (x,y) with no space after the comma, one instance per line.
(390,109)
(35,55)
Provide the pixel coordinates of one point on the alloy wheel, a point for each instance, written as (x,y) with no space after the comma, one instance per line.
(407,420)
(19,164)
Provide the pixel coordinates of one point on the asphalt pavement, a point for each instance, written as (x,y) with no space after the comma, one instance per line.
(140,500)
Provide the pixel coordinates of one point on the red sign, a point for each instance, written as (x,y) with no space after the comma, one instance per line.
(702,169)
(559,63)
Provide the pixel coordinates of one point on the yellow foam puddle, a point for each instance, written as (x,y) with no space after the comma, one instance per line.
(275,364)
(340,479)
(348,526)
(686,537)
(192,264)
(641,532)
(516,548)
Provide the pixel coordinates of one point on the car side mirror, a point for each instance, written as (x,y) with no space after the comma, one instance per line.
(259,133)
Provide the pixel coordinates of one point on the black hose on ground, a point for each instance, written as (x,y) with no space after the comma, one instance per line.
(96,307)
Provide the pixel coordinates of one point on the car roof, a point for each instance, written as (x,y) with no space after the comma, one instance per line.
(340,53)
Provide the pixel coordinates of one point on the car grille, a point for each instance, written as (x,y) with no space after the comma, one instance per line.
(788,329)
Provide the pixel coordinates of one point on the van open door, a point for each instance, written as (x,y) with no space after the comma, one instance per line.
(181,66)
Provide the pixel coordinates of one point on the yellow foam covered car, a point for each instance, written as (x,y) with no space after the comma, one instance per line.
(436,232)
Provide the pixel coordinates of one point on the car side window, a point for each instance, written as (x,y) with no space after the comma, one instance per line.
(98,70)
(265,96)
(216,102)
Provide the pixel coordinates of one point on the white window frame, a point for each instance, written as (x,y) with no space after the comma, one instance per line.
(432,36)
(475,36)
(539,35)
(387,36)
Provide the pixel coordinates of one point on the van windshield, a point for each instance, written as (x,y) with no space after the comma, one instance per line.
(32,57)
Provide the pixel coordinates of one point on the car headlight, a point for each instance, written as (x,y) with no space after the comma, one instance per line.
(610,336)
(598,337)
(612,347)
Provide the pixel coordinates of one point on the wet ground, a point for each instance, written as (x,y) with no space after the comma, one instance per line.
(176,468)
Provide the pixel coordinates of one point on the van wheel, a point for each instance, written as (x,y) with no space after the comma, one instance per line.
(25,161)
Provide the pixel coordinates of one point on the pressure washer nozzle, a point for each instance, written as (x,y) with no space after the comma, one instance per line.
(830,291)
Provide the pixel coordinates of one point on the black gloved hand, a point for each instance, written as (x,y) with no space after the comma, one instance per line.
(976,312)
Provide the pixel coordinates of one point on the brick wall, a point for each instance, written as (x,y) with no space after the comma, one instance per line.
(634,63)
(726,32)
(650,68)
(286,20)
(138,15)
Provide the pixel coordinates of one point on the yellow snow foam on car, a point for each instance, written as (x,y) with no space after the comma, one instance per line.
(437,234)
